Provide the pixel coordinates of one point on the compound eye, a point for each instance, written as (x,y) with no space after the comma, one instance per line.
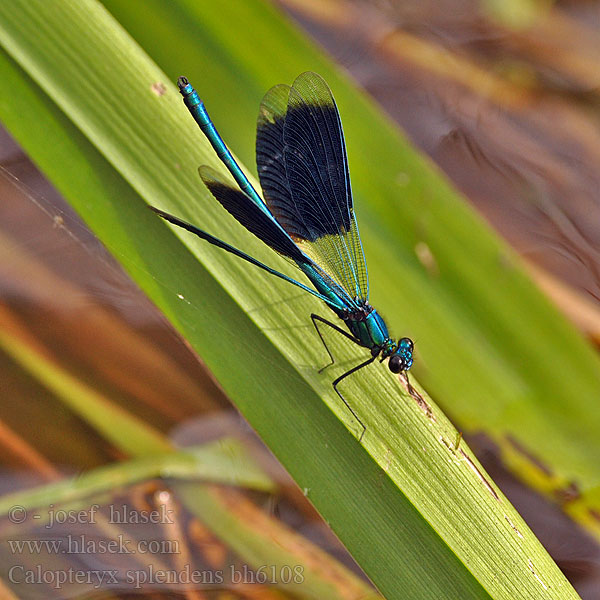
(396,363)
(406,344)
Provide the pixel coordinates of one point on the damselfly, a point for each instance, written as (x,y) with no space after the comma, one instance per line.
(307,214)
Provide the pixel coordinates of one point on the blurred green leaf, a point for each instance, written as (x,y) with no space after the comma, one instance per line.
(126,431)
(219,462)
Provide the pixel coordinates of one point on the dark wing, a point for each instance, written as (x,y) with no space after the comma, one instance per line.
(303,170)
(252,217)
(211,239)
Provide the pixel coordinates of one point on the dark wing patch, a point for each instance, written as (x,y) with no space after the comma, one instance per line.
(270,161)
(315,158)
(303,169)
(251,216)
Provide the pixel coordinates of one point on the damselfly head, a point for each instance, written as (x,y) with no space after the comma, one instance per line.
(402,359)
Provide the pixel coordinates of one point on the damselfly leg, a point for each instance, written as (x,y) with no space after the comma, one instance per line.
(316,318)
